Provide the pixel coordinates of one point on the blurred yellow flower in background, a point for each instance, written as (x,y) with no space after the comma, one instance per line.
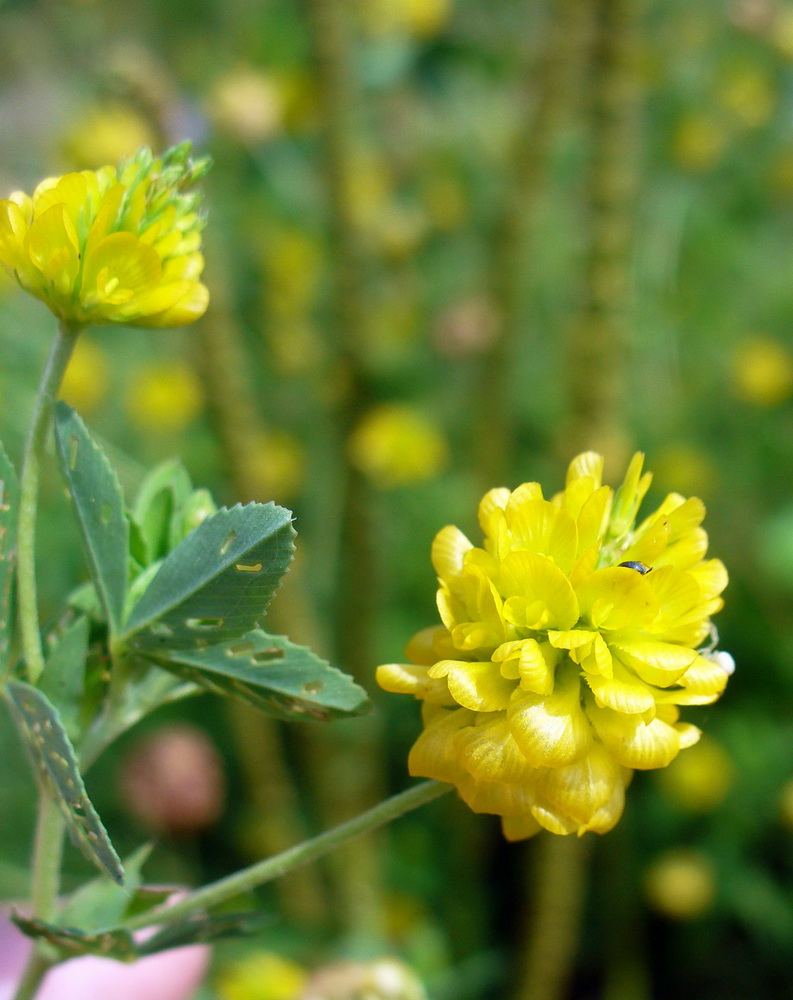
(247,105)
(115,245)
(762,371)
(689,469)
(568,642)
(395,445)
(86,380)
(262,975)
(680,883)
(420,18)
(106,134)
(165,396)
(700,779)
(749,93)
(698,142)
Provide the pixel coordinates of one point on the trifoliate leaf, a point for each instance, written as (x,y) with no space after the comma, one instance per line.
(216,584)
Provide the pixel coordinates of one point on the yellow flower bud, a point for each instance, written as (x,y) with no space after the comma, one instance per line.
(114,245)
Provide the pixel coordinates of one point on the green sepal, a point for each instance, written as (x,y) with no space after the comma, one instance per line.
(9,510)
(58,774)
(272,673)
(99,506)
(216,584)
(63,679)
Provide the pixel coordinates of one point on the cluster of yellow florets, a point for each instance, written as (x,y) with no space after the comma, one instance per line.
(115,245)
(568,642)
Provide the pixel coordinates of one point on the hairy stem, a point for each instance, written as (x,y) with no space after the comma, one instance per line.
(58,359)
(271,868)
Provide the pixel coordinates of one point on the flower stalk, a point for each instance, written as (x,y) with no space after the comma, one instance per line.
(301,854)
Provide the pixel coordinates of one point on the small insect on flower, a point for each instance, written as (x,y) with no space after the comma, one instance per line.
(569,641)
(638,566)
(115,245)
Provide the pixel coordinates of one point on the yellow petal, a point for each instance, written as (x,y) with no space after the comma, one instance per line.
(500,799)
(434,754)
(478,686)
(592,518)
(624,692)
(711,576)
(517,828)
(552,820)
(581,788)
(632,742)
(550,730)
(660,663)
(539,526)
(588,463)
(608,815)
(649,544)
(488,751)
(409,678)
(176,304)
(491,510)
(13,229)
(52,245)
(430,645)
(598,659)
(448,548)
(616,598)
(538,593)
(119,267)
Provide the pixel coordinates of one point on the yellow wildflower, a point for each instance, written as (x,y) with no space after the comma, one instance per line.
(115,245)
(568,642)
(106,133)
(700,780)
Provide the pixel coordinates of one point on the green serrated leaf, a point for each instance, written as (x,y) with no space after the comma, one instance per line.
(117,943)
(99,506)
(9,507)
(272,673)
(63,679)
(164,490)
(216,584)
(55,765)
(102,903)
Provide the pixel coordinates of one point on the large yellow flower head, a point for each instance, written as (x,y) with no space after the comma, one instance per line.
(115,245)
(568,642)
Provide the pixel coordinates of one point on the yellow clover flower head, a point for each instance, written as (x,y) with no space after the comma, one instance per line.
(115,245)
(569,641)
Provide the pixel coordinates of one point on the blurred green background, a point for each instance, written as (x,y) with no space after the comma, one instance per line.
(450,243)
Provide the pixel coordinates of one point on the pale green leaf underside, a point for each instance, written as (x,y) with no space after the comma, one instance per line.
(99,506)
(216,584)
(58,773)
(274,674)
(9,507)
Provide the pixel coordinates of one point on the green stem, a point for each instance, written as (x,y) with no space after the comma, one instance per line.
(61,351)
(264,871)
(38,966)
